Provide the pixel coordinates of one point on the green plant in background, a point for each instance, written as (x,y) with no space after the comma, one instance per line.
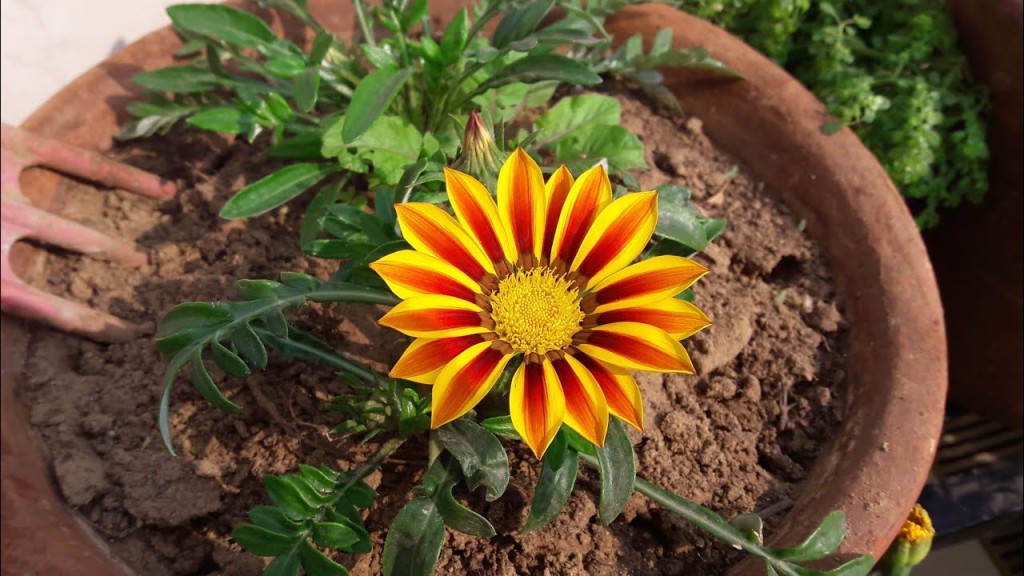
(374,123)
(892,72)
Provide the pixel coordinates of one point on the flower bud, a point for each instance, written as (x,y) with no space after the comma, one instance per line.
(911,545)
(479,155)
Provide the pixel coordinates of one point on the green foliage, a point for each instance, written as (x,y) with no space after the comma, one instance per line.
(889,70)
(313,510)
(248,327)
(380,407)
(682,228)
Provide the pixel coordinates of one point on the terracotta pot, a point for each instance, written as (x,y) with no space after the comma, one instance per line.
(876,466)
(979,250)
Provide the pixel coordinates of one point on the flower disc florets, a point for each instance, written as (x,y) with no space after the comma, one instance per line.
(536,311)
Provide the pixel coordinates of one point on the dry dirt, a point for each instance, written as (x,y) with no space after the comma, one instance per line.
(738,438)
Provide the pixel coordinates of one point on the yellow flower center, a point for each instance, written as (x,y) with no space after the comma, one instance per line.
(536,310)
(918,526)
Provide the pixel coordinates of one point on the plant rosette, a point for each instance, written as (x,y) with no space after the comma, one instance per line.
(535,294)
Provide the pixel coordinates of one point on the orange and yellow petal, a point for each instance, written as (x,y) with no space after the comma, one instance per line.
(585,409)
(556,190)
(679,318)
(464,381)
(423,360)
(521,202)
(536,405)
(478,214)
(618,235)
(430,229)
(588,195)
(646,282)
(621,393)
(638,347)
(409,273)
(435,316)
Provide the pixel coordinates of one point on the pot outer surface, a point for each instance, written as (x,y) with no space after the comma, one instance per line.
(897,366)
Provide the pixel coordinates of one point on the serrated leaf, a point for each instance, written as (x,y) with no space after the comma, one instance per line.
(286,495)
(618,471)
(621,148)
(205,385)
(554,486)
(274,190)
(479,453)
(575,112)
(390,144)
(179,80)
(222,23)
(249,346)
(825,539)
(263,542)
(372,97)
(414,541)
(539,67)
(228,361)
(334,535)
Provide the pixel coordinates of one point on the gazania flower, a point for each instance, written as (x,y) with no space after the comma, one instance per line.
(544,273)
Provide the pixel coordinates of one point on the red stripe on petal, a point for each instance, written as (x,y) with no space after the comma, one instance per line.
(667,320)
(442,244)
(434,320)
(633,348)
(433,355)
(558,187)
(426,281)
(577,402)
(614,396)
(475,218)
(466,382)
(614,238)
(642,284)
(582,214)
(536,400)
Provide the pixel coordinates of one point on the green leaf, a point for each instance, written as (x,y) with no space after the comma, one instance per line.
(859,566)
(502,426)
(223,119)
(274,190)
(334,535)
(204,384)
(553,490)
(520,22)
(273,519)
(454,39)
(179,80)
(287,496)
(315,563)
(679,220)
(222,23)
(249,346)
(458,517)
(479,453)
(578,443)
(307,88)
(620,147)
(539,67)
(618,470)
(302,147)
(825,539)
(228,361)
(286,565)
(263,542)
(414,541)
(390,145)
(575,112)
(372,97)
(256,289)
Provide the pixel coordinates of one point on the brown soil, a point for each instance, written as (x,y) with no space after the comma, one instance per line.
(739,437)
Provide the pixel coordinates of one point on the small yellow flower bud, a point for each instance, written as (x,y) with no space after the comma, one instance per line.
(911,545)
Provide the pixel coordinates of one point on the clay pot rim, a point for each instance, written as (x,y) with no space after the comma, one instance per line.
(897,366)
